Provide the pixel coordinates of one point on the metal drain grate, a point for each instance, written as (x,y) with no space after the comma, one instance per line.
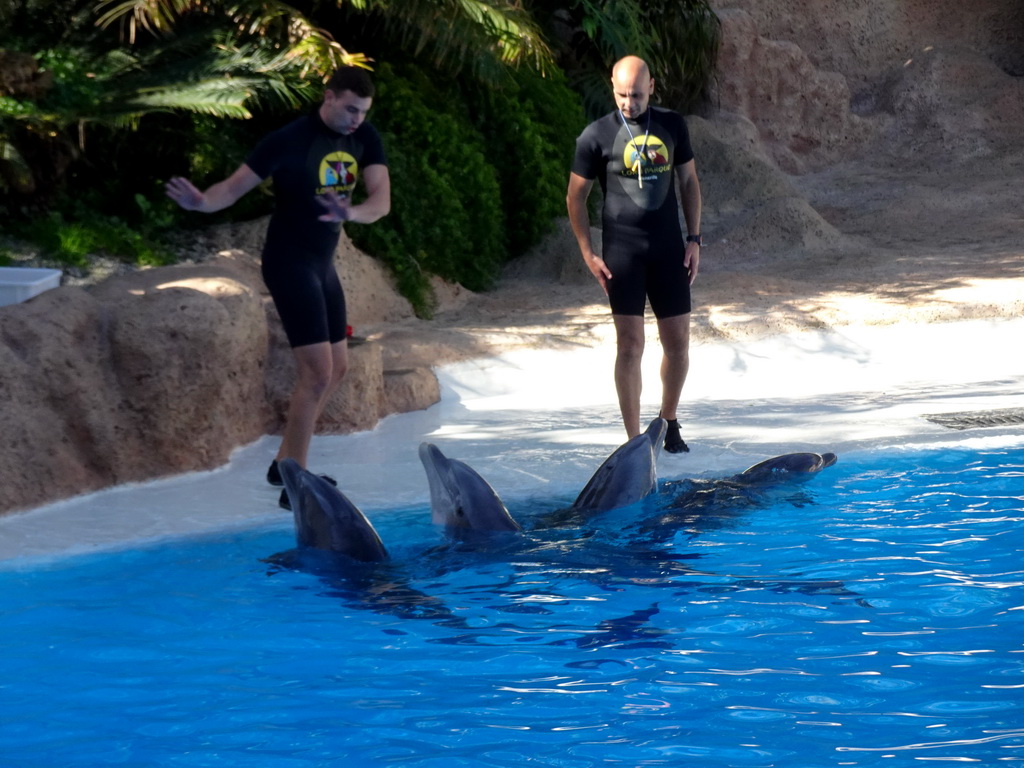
(1002,417)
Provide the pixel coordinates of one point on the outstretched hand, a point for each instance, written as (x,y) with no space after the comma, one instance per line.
(184,193)
(338,207)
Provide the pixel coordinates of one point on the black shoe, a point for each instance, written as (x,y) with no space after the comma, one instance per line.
(274,474)
(285,503)
(673,440)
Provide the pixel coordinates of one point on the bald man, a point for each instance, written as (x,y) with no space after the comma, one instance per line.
(639,153)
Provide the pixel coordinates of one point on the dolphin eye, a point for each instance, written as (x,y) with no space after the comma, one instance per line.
(460,512)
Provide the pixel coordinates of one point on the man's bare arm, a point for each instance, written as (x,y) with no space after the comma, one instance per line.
(576,202)
(689,196)
(221,195)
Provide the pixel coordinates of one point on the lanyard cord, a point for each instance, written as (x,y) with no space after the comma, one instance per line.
(637,165)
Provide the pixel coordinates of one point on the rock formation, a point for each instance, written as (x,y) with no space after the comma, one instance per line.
(168,370)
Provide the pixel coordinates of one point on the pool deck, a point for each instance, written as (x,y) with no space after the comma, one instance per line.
(540,422)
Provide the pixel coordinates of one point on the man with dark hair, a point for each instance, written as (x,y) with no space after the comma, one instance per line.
(638,153)
(353,79)
(315,162)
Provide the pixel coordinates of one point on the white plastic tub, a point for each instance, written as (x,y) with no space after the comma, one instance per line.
(19,284)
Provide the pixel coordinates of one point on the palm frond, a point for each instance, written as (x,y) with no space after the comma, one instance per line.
(208,74)
(486,35)
(616,29)
(313,46)
(154,16)
(516,36)
(224,97)
(322,55)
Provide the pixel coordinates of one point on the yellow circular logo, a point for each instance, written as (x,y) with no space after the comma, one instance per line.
(643,153)
(339,170)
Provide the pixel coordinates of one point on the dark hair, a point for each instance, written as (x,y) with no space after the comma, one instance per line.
(355,79)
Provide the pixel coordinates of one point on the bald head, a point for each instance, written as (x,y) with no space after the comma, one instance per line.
(632,85)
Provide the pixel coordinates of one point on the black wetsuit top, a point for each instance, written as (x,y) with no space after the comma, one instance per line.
(642,240)
(305,159)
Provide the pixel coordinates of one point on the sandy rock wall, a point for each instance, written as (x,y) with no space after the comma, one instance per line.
(802,113)
(168,370)
(822,81)
(867,40)
(954,99)
(114,386)
(805,86)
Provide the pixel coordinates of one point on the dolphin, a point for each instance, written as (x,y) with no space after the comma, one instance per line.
(459,497)
(698,505)
(792,465)
(628,475)
(325,519)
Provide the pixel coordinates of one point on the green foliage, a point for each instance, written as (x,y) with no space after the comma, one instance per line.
(679,39)
(208,72)
(275,26)
(530,124)
(485,37)
(446,211)
(479,151)
(478,173)
(73,242)
(214,150)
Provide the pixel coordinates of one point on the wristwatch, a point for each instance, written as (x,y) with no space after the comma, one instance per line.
(694,239)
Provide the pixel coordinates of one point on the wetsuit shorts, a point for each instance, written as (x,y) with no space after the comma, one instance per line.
(309,299)
(643,270)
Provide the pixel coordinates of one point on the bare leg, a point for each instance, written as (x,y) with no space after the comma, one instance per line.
(320,370)
(629,335)
(675,361)
(339,367)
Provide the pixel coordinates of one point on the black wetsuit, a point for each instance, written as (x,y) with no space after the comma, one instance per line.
(642,239)
(306,158)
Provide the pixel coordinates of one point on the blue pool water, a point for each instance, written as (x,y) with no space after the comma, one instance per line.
(871,616)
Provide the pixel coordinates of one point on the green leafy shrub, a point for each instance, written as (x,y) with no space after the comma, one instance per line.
(446,210)
(530,124)
(72,242)
(478,174)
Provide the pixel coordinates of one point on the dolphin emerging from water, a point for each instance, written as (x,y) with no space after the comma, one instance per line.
(628,475)
(460,498)
(325,519)
(791,465)
(698,505)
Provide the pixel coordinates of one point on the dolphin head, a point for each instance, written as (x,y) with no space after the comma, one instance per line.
(628,475)
(325,518)
(459,497)
(792,465)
